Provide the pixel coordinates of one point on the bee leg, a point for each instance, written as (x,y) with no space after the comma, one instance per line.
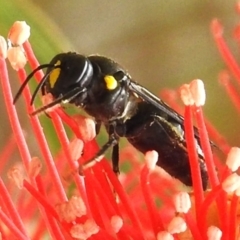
(113,140)
(115,166)
(115,159)
(119,130)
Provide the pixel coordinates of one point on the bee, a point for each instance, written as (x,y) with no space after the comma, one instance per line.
(106,91)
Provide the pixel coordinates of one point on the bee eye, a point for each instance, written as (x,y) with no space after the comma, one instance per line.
(119,75)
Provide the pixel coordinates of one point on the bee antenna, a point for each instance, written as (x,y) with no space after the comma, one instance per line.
(41,83)
(43,108)
(18,94)
(68,96)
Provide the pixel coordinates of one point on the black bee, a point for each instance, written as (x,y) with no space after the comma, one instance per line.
(106,92)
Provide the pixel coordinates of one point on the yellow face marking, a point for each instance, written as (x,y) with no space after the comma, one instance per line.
(53,77)
(111,82)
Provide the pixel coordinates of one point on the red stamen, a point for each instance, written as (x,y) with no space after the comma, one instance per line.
(32,60)
(101,177)
(124,198)
(205,144)
(12,211)
(233,217)
(193,158)
(3,47)
(93,204)
(106,208)
(62,136)
(43,142)
(217,31)
(193,226)
(224,80)
(13,117)
(156,221)
(14,229)
(40,199)
(70,122)
(7,151)
(51,222)
(212,195)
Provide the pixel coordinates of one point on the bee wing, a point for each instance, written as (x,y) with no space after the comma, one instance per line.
(161,105)
(154,100)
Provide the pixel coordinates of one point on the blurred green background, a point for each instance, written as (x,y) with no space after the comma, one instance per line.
(162,43)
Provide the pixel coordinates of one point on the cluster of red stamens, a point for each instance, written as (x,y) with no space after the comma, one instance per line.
(95,204)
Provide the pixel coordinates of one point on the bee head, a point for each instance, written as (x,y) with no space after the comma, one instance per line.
(67,76)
